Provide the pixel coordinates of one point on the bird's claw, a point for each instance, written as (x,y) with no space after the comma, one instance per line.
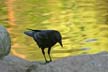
(48,62)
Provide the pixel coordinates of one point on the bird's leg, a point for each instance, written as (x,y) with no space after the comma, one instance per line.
(44,54)
(49,49)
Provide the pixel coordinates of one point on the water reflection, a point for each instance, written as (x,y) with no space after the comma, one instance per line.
(81,24)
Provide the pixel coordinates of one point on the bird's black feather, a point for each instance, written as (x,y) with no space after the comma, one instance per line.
(45,39)
(34,30)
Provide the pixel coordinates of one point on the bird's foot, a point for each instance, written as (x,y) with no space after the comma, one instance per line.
(48,62)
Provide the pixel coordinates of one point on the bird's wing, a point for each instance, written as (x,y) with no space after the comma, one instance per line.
(40,37)
(37,36)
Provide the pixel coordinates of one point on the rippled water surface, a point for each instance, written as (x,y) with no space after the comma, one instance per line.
(82,23)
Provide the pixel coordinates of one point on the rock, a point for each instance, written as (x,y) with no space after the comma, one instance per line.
(91,40)
(82,63)
(5,42)
(13,64)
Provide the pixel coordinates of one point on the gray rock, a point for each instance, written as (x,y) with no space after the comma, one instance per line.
(5,42)
(82,63)
(13,64)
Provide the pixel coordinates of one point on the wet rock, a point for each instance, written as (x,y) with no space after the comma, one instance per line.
(5,42)
(13,64)
(82,63)
(91,40)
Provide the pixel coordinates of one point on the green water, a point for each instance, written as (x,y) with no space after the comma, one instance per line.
(82,23)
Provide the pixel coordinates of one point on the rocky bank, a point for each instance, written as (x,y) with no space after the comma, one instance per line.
(82,63)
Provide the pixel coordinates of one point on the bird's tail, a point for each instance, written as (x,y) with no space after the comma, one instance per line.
(29,29)
(33,30)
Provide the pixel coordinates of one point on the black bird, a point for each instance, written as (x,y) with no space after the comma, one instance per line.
(45,39)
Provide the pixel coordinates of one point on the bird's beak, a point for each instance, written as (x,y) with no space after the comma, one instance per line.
(61,43)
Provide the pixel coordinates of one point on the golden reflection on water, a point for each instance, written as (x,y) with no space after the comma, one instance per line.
(75,42)
(80,22)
